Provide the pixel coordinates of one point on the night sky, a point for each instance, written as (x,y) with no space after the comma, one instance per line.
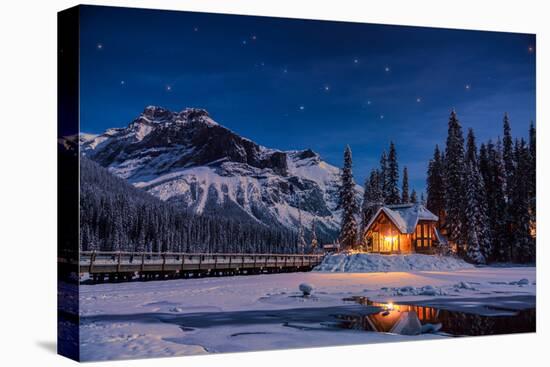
(296,84)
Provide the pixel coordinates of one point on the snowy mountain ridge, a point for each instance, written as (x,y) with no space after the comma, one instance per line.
(189,159)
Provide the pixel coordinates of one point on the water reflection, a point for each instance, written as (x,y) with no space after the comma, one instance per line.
(412,320)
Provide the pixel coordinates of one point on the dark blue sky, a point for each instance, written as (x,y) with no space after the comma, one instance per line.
(296,84)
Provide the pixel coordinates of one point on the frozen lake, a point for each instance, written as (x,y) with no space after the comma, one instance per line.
(260,312)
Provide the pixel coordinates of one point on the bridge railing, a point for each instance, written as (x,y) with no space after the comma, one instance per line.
(111,262)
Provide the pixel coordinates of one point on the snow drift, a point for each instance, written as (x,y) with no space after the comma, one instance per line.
(371,263)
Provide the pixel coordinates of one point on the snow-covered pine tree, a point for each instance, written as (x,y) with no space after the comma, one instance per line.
(435,185)
(422,199)
(405,199)
(365,206)
(393,177)
(455,170)
(484,163)
(523,242)
(414,197)
(314,242)
(301,240)
(533,176)
(383,176)
(476,210)
(372,199)
(508,151)
(473,250)
(348,231)
(494,178)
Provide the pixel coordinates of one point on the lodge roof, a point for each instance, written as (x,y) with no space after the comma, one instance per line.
(405,216)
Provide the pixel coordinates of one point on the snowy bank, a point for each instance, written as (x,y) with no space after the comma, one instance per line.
(372,263)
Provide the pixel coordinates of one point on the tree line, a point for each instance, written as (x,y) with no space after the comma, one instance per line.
(115,216)
(485,198)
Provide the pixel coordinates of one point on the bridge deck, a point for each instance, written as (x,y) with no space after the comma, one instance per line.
(132,262)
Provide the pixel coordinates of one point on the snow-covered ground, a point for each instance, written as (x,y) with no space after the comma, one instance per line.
(259,312)
(372,263)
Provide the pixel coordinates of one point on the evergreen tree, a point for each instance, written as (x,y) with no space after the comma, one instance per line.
(405,187)
(494,177)
(348,231)
(484,163)
(533,176)
(508,152)
(372,199)
(301,240)
(474,250)
(455,170)
(435,185)
(476,221)
(383,176)
(393,177)
(523,242)
(314,242)
(414,198)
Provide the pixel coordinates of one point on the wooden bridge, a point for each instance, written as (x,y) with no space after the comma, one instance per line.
(128,265)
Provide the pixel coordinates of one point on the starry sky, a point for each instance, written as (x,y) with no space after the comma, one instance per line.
(296,84)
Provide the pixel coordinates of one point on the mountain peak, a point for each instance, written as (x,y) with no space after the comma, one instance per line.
(189,159)
(197,114)
(157,113)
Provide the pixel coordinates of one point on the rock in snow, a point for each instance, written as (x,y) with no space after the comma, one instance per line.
(520,282)
(370,263)
(428,291)
(306,289)
(464,285)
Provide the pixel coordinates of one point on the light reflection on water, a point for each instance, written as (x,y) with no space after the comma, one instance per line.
(455,323)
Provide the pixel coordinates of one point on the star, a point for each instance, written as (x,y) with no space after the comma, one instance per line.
(302,108)
(531,49)
(168,88)
(253,38)
(418,99)
(122,82)
(285,70)
(196,29)
(244,42)
(467,86)
(387,69)
(369,102)
(356,61)
(99,46)
(381,117)
(326,88)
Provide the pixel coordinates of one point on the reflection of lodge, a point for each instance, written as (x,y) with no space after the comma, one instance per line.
(403,228)
(385,321)
(397,319)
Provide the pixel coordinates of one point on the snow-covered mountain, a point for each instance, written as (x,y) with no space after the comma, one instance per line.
(189,159)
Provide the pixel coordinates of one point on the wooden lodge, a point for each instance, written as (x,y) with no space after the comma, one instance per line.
(406,228)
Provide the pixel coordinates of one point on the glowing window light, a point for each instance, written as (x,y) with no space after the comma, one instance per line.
(389,241)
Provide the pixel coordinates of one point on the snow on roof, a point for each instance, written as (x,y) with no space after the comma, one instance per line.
(405,216)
